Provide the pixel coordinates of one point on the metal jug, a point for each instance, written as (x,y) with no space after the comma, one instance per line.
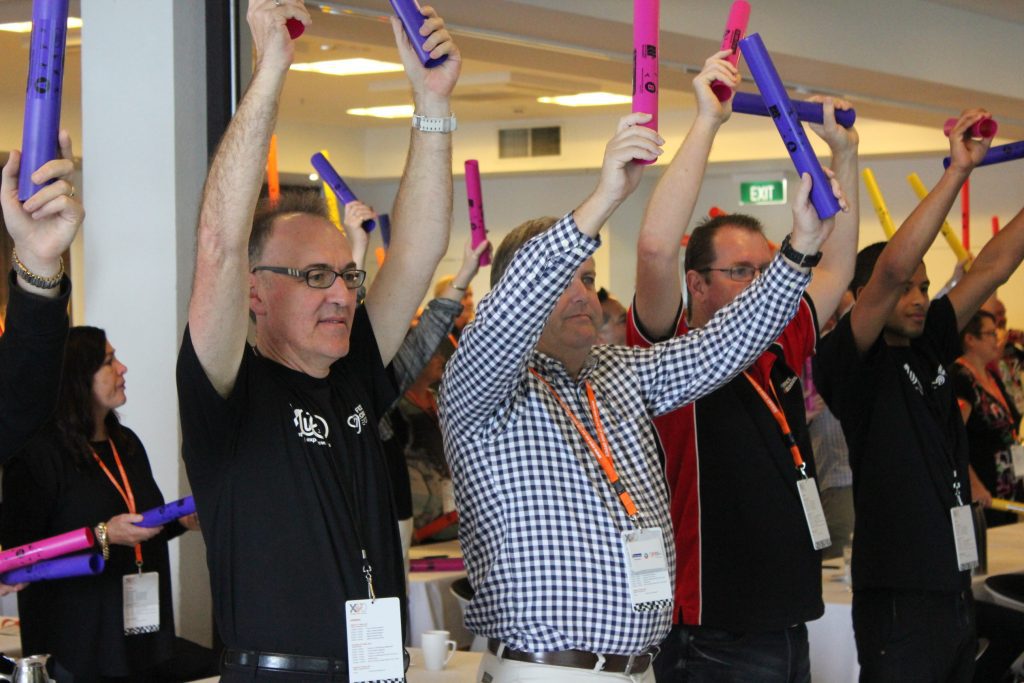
(29,670)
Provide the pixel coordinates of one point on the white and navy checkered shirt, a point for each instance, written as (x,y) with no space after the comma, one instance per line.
(539,524)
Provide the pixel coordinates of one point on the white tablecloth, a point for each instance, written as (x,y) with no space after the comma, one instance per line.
(432,606)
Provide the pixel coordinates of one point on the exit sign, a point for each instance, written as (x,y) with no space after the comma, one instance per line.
(763,192)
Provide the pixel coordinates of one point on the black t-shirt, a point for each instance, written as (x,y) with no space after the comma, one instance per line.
(906,437)
(279,469)
(80,621)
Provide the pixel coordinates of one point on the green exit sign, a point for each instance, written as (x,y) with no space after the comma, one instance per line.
(763,192)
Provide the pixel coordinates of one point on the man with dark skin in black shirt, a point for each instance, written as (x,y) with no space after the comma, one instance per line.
(280,439)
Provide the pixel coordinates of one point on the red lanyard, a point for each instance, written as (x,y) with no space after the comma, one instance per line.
(125,490)
(602,453)
(780,418)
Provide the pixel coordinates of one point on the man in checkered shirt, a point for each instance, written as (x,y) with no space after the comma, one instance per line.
(544,527)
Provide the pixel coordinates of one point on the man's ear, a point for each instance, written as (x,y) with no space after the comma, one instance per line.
(697,285)
(256,303)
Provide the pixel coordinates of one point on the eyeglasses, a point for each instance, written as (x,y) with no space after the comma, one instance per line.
(988,333)
(738,273)
(320,278)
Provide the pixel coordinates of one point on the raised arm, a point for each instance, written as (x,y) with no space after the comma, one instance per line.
(839,255)
(906,249)
(493,352)
(994,265)
(423,208)
(670,209)
(355,213)
(218,311)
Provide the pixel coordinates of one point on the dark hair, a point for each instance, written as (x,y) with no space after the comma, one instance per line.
(83,357)
(290,201)
(700,250)
(515,239)
(973,326)
(865,265)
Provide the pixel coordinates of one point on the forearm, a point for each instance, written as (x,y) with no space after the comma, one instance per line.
(422,341)
(1003,253)
(700,362)
(493,352)
(666,219)
(839,253)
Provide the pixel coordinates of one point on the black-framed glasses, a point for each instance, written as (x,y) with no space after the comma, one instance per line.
(319,277)
(738,273)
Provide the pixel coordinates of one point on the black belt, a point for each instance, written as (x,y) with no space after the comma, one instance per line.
(578,659)
(282,662)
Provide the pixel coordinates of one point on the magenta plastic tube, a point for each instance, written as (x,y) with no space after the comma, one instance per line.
(412,19)
(46,549)
(780,108)
(43,91)
(475,195)
(735,29)
(168,512)
(331,177)
(985,128)
(999,154)
(645,61)
(89,564)
(811,112)
(295,27)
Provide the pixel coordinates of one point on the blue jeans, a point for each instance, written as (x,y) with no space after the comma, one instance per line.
(698,653)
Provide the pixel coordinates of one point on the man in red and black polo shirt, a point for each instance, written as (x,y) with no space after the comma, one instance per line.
(748,573)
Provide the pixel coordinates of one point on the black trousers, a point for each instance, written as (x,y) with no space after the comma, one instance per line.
(914,636)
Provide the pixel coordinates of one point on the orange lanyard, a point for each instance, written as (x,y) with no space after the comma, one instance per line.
(125,490)
(602,453)
(453,340)
(780,418)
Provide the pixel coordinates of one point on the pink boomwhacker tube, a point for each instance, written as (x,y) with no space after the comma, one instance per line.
(985,128)
(477,227)
(735,29)
(645,61)
(46,549)
(995,225)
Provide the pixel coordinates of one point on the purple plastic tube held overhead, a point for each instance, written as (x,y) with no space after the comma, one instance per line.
(43,91)
(998,154)
(69,567)
(792,131)
(475,195)
(412,19)
(384,220)
(46,549)
(809,112)
(645,61)
(735,29)
(168,512)
(331,177)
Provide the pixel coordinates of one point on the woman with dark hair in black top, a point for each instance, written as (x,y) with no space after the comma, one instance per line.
(87,470)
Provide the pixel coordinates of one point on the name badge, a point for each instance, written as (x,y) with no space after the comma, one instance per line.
(963,537)
(141,600)
(650,587)
(1017,453)
(813,513)
(374,630)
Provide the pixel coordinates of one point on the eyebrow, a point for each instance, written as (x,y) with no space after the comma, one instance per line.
(348,266)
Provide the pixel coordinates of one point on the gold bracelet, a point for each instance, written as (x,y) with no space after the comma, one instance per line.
(37,280)
(104,541)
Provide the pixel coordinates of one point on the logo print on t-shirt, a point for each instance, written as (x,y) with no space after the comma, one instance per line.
(913,379)
(358,419)
(312,428)
(940,378)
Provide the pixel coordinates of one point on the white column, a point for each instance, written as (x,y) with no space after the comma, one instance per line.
(144,158)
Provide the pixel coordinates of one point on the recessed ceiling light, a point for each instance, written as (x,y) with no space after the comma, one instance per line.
(314,177)
(348,67)
(26,26)
(398,111)
(587,99)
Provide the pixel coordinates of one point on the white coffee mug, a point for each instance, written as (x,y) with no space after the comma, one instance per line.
(437,649)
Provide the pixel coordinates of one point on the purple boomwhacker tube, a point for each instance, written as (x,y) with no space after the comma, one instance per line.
(997,155)
(475,196)
(69,567)
(331,177)
(792,131)
(645,61)
(43,91)
(46,549)
(809,112)
(412,19)
(385,229)
(168,512)
(735,29)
